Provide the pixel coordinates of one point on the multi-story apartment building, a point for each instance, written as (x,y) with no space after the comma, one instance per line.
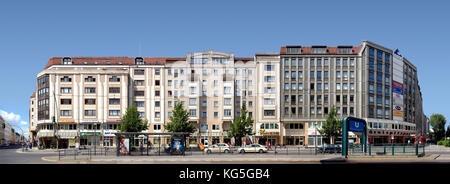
(288,94)
(32,123)
(5,132)
(358,81)
(212,86)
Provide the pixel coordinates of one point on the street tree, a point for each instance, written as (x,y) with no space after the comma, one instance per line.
(437,121)
(131,122)
(332,128)
(241,126)
(179,121)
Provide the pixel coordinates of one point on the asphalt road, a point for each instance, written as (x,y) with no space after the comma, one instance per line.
(11,156)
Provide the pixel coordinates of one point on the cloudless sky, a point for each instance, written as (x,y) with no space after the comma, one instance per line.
(31,32)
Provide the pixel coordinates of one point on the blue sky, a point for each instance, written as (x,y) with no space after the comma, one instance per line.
(33,31)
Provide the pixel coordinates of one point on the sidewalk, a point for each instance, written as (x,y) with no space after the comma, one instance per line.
(200,159)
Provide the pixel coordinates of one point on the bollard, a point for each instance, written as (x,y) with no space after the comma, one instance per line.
(392,149)
(403,148)
(385,148)
(417,149)
(370,150)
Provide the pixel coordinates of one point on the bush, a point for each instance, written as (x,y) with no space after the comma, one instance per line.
(447,143)
(441,142)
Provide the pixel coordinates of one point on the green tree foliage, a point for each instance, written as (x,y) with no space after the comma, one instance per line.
(332,128)
(241,126)
(438,121)
(179,121)
(131,122)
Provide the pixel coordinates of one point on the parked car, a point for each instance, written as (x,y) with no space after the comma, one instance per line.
(215,148)
(253,148)
(330,148)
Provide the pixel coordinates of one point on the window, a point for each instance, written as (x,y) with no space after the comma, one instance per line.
(66,101)
(227,90)
(325,74)
(139,82)
(345,75)
(89,90)
(157,104)
(325,86)
(338,86)
(319,75)
(114,79)
(227,101)
(338,74)
(216,114)
(300,86)
(156,127)
(114,101)
(89,79)
(157,93)
(89,101)
(216,127)
(157,82)
(89,112)
(227,112)
(192,112)
(114,90)
(157,115)
(67,61)
(66,112)
(269,67)
(66,79)
(114,112)
(139,61)
(138,72)
(269,112)
(300,61)
(344,86)
(192,101)
(312,74)
(138,93)
(157,72)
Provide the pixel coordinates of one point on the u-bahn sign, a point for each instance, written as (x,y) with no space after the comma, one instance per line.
(355,125)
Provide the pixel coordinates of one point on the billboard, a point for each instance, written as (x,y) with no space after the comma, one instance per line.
(397,86)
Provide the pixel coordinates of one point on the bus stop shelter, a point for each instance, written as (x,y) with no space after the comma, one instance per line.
(178,142)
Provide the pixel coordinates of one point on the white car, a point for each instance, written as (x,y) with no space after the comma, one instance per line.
(253,148)
(216,148)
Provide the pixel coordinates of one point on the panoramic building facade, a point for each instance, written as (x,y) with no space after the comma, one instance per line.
(288,95)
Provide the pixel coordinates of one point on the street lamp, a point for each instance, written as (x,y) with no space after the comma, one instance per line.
(315,137)
(95,139)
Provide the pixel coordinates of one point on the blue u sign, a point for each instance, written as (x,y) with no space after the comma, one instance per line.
(356,126)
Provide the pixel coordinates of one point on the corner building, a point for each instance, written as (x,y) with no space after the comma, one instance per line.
(288,94)
(358,81)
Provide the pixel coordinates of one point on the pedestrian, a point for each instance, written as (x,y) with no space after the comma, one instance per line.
(229,144)
(270,148)
(267,145)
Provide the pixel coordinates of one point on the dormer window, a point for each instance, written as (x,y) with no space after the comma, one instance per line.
(120,62)
(293,49)
(108,63)
(139,61)
(85,62)
(66,79)
(114,79)
(345,50)
(67,61)
(96,62)
(319,49)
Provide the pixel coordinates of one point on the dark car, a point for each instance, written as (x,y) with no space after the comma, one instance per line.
(330,148)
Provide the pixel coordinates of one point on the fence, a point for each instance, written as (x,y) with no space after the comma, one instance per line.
(387,149)
(84,154)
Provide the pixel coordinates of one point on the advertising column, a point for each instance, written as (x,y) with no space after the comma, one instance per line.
(397,86)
